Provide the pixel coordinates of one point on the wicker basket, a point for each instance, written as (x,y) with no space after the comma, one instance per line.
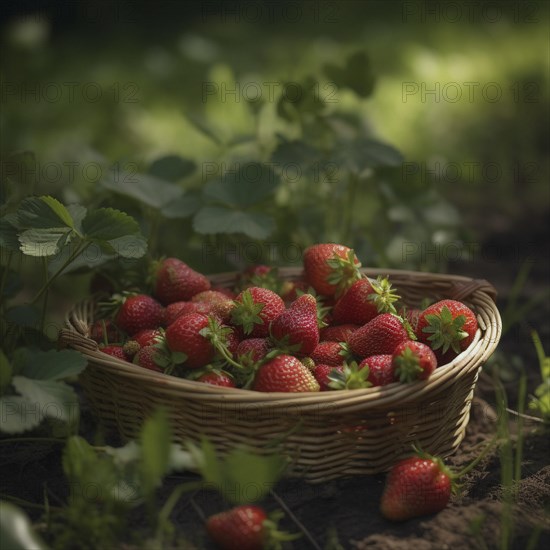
(326,435)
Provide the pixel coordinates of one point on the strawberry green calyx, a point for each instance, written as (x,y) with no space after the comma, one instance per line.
(384,295)
(344,271)
(345,351)
(445,331)
(247,312)
(351,377)
(408,366)
(273,538)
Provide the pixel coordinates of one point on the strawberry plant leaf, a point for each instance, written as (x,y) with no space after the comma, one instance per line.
(78,213)
(217,219)
(155,439)
(129,246)
(250,184)
(147,189)
(16,531)
(78,458)
(172,168)
(204,128)
(105,224)
(362,153)
(356,75)
(52,364)
(181,208)
(43,212)
(300,99)
(47,398)
(96,254)
(18,414)
(44,242)
(298,153)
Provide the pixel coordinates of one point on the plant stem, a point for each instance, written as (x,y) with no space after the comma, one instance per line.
(479,458)
(46,295)
(79,250)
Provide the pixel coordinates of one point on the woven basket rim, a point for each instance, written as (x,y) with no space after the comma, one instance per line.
(479,292)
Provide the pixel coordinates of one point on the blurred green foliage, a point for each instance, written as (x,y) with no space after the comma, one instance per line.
(463,97)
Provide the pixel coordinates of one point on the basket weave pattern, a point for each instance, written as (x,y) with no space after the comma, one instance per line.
(326,435)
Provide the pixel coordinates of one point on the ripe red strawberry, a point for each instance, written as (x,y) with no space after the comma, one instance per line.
(152,358)
(297,328)
(183,336)
(115,351)
(411,315)
(290,290)
(381,369)
(337,333)
(416,486)
(245,527)
(413,361)
(448,327)
(255,308)
(225,291)
(284,373)
(330,268)
(217,378)
(364,300)
(216,303)
(379,336)
(148,336)
(232,339)
(175,281)
(329,353)
(139,312)
(252,350)
(104,331)
(321,374)
(175,309)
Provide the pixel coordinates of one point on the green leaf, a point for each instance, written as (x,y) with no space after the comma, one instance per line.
(181,208)
(6,372)
(356,75)
(52,365)
(129,246)
(43,242)
(297,153)
(204,128)
(95,255)
(8,235)
(18,414)
(250,184)
(23,316)
(172,168)
(299,99)
(216,219)
(248,477)
(78,213)
(106,224)
(48,398)
(156,444)
(16,532)
(43,212)
(145,188)
(359,154)
(78,458)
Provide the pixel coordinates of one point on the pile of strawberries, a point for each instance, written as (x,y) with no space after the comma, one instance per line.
(333,328)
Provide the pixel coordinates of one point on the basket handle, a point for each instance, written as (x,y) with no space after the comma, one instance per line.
(461,290)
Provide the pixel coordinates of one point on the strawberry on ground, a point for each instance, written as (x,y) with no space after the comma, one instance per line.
(255,308)
(330,268)
(246,527)
(337,333)
(183,336)
(284,373)
(413,361)
(448,327)
(381,369)
(416,486)
(364,300)
(330,353)
(175,281)
(297,328)
(139,312)
(379,336)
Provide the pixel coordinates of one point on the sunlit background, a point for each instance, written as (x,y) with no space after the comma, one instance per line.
(461,90)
